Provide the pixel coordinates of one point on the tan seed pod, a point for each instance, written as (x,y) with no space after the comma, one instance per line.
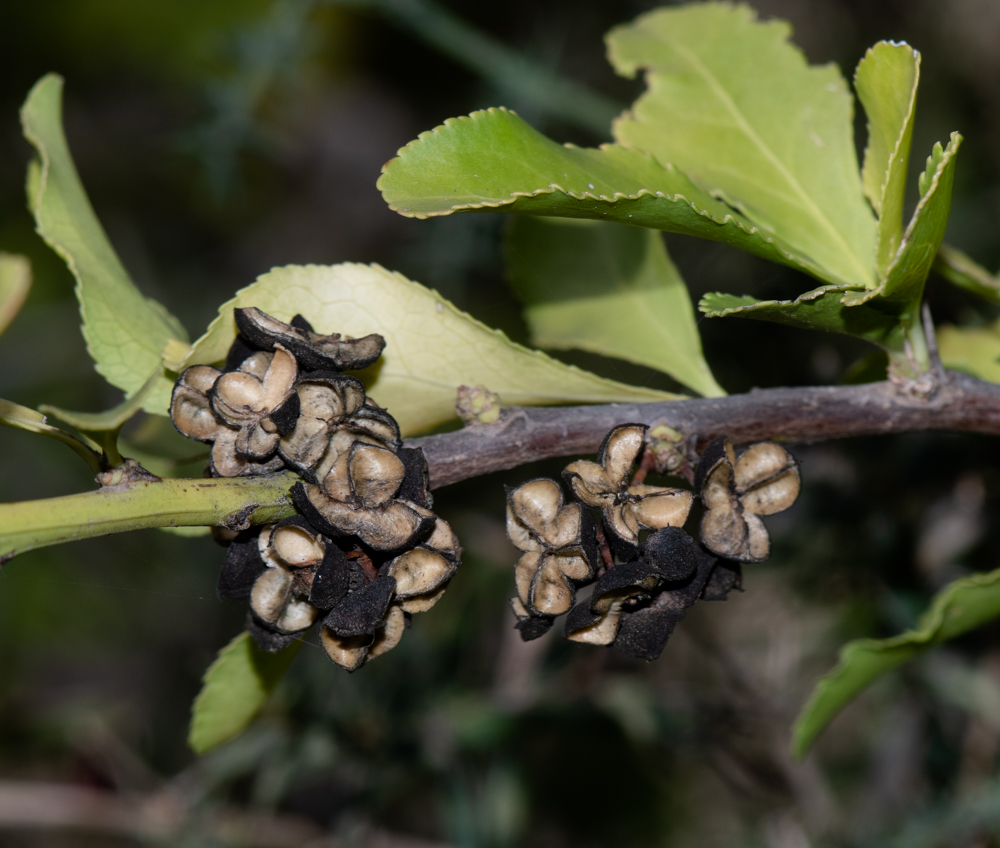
(626,510)
(420,571)
(764,480)
(601,631)
(349,652)
(271,593)
(190,408)
(388,637)
(315,352)
(421,603)
(297,547)
(375,473)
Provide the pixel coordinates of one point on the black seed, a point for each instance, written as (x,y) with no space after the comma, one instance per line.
(332,578)
(621,548)
(241,568)
(580,617)
(416,484)
(299,322)
(619,580)
(673,553)
(267,639)
(286,416)
(588,538)
(364,610)
(725,577)
(312,515)
(644,633)
(533,627)
(239,352)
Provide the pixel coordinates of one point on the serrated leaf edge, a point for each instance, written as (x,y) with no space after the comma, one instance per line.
(940,158)
(194,359)
(911,108)
(921,637)
(553,188)
(806,297)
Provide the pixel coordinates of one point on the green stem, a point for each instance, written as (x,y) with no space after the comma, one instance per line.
(140,503)
(503,66)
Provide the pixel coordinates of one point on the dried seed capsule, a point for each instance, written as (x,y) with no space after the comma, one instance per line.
(190,408)
(357,499)
(626,509)
(735,492)
(559,544)
(313,351)
(246,400)
(327,401)
(635,606)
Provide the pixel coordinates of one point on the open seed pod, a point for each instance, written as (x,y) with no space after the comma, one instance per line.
(280,598)
(635,606)
(559,544)
(626,509)
(244,563)
(370,424)
(357,498)
(764,480)
(422,573)
(352,652)
(326,401)
(313,351)
(257,400)
(190,408)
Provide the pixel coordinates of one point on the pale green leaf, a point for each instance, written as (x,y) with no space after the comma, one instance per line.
(820,309)
(234,689)
(958,608)
(609,289)
(904,281)
(432,347)
(886,81)
(492,161)
(22,418)
(959,270)
(879,315)
(112,419)
(125,332)
(15,281)
(737,108)
(975,350)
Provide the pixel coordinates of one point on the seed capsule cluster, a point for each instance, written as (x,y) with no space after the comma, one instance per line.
(366,552)
(645,570)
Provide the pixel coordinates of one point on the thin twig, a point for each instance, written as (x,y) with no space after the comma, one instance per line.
(806,414)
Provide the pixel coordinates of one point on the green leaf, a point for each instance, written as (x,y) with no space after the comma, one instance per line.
(432,347)
(958,608)
(492,161)
(888,310)
(22,418)
(736,107)
(234,689)
(886,81)
(125,332)
(905,278)
(959,270)
(820,309)
(609,289)
(112,419)
(975,350)
(15,281)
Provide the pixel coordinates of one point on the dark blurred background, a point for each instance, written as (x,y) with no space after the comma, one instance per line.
(220,139)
